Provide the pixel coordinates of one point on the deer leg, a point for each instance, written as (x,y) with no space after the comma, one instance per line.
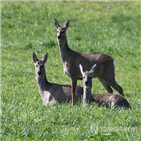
(106,86)
(73,89)
(116,86)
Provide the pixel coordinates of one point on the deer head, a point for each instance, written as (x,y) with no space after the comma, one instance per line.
(61,31)
(39,66)
(87,76)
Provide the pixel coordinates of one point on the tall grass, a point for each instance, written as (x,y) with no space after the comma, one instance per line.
(95,27)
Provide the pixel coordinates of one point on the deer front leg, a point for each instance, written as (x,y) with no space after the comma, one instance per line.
(73,89)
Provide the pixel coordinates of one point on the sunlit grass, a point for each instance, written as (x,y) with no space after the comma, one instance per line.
(95,27)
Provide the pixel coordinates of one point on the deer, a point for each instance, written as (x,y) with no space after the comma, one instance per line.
(107,99)
(52,93)
(71,59)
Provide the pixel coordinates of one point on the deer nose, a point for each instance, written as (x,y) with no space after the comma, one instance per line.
(39,73)
(59,37)
(86,83)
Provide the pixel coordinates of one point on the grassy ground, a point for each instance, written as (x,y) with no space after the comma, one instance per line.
(113,28)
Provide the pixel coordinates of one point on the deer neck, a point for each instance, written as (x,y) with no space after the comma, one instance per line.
(64,50)
(88,94)
(42,85)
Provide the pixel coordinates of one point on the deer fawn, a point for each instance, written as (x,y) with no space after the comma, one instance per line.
(108,99)
(71,60)
(52,93)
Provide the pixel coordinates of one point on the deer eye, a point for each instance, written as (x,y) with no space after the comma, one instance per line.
(36,65)
(42,66)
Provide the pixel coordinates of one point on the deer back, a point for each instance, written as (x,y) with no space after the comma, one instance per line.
(111,100)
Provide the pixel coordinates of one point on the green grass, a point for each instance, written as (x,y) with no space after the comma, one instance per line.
(113,28)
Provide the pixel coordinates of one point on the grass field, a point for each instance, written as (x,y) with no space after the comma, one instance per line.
(113,28)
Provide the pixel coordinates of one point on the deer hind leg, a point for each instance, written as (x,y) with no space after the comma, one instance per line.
(114,84)
(73,90)
(106,85)
(117,87)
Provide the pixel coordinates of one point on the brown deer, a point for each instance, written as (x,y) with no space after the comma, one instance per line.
(52,93)
(71,59)
(108,99)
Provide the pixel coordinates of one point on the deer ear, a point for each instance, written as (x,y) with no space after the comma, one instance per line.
(66,24)
(56,23)
(35,59)
(45,57)
(82,70)
(93,69)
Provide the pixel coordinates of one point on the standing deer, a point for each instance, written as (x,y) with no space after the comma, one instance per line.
(52,93)
(108,99)
(71,60)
